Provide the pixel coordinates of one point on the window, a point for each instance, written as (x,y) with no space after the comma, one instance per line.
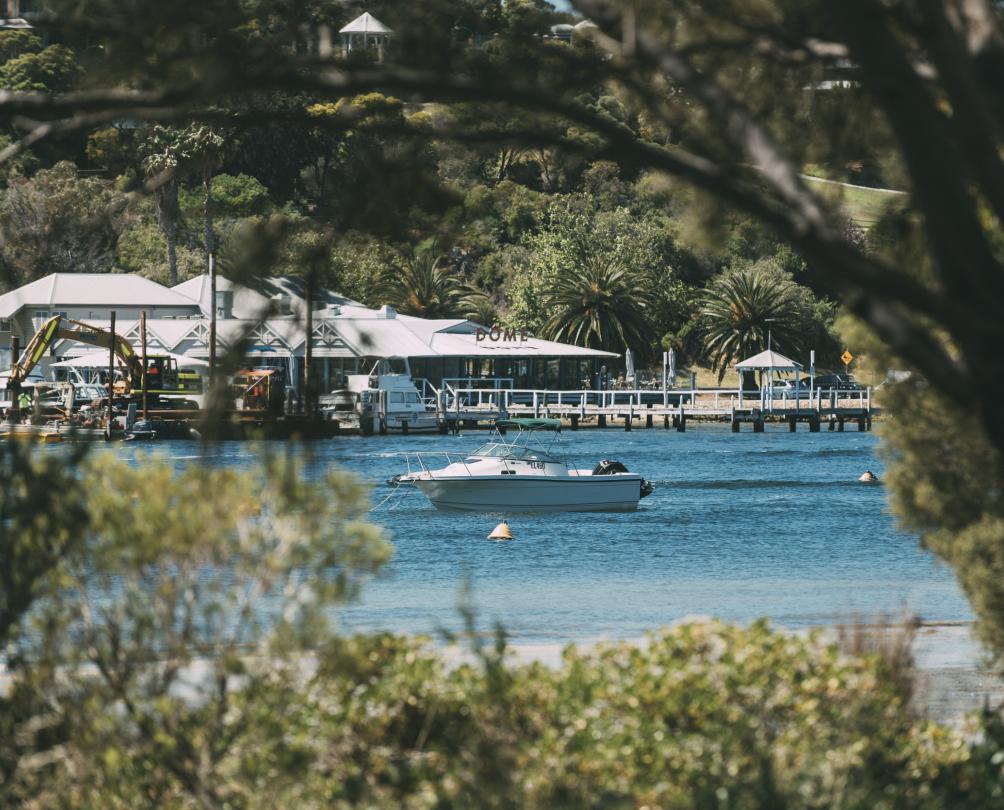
(4,324)
(40,317)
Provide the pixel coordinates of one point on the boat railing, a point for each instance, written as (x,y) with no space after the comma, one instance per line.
(419,459)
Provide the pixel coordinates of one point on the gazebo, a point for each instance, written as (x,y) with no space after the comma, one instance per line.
(774,364)
(365,31)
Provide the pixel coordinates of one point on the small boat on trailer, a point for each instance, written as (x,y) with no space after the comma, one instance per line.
(520,474)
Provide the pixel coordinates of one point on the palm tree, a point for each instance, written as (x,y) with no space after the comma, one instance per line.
(740,306)
(598,304)
(424,288)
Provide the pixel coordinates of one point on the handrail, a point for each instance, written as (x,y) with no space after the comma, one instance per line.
(709,398)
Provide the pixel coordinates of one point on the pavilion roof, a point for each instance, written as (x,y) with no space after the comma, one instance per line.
(769,360)
(365,23)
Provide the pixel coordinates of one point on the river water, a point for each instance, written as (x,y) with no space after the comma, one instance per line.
(740,526)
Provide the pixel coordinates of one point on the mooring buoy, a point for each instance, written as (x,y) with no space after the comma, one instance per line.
(501,532)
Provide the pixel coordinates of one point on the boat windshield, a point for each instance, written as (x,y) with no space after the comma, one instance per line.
(497,450)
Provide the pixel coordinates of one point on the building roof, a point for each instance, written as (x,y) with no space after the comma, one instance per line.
(769,360)
(97,289)
(282,295)
(365,23)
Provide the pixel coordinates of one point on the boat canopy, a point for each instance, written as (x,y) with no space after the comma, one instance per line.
(530,424)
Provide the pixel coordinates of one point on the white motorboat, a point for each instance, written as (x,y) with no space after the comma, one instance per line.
(521,475)
(401,400)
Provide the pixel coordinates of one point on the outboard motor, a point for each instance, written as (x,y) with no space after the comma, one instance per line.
(609,467)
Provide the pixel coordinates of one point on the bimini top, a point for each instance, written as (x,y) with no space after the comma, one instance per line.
(530,424)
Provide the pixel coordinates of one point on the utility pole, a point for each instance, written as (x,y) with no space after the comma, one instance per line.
(212,320)
(111,375)
(142,332)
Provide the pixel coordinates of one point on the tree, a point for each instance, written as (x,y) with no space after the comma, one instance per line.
(424,287)
(59,222)
(156,641)
(599,304)
(53,70)
(203,147)
(744,304)
(162,162)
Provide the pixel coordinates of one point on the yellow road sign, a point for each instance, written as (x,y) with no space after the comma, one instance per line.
(847,357)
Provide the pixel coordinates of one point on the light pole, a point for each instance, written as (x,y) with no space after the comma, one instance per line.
(770,370)
(769,321)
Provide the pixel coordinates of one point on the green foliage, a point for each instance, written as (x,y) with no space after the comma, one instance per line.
(743,304)
(423,287)
(15,43)
(598,304)
(58,221)
(53,70)
(631,253)
(139,669)
(944,482)
(141,248)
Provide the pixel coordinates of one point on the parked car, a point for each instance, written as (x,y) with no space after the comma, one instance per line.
(839,381)
(788,387)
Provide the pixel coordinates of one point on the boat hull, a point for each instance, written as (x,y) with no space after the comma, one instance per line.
(601,493)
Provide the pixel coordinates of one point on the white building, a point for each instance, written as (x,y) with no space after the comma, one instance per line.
(267,321)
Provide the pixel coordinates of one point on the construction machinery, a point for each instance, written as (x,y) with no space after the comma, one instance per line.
(259,391)
(164,382)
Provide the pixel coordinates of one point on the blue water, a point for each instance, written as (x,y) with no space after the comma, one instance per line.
(739,526)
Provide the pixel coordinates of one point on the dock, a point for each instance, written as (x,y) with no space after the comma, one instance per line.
(670,409)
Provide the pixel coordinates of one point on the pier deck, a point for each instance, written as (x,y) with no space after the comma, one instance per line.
(645,408)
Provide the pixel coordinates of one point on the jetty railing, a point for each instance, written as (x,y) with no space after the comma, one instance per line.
(696,400)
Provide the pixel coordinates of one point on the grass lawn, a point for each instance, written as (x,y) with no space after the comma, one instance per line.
(864,206)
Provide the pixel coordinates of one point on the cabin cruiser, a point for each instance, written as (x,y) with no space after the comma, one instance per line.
(385,393)
(521,475)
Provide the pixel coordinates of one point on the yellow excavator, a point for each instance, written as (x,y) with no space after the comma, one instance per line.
(163,378)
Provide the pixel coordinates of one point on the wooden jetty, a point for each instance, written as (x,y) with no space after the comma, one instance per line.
(473,407)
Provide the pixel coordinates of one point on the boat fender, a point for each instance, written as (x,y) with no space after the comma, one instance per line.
(609,467)
(501,532)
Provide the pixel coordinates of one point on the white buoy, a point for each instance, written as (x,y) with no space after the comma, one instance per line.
(868,477)
(501,532)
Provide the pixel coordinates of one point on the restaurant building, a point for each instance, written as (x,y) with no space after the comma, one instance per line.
(267,321)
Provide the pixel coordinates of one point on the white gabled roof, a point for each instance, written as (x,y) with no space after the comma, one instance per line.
(365,23)
(255,301)
(95,289)
(769,359)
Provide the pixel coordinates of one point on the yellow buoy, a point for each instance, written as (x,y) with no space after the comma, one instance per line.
(868,477)
(501,532)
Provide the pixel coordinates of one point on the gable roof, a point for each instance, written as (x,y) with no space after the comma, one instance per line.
(255,298)
(365,23)
(96,289)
